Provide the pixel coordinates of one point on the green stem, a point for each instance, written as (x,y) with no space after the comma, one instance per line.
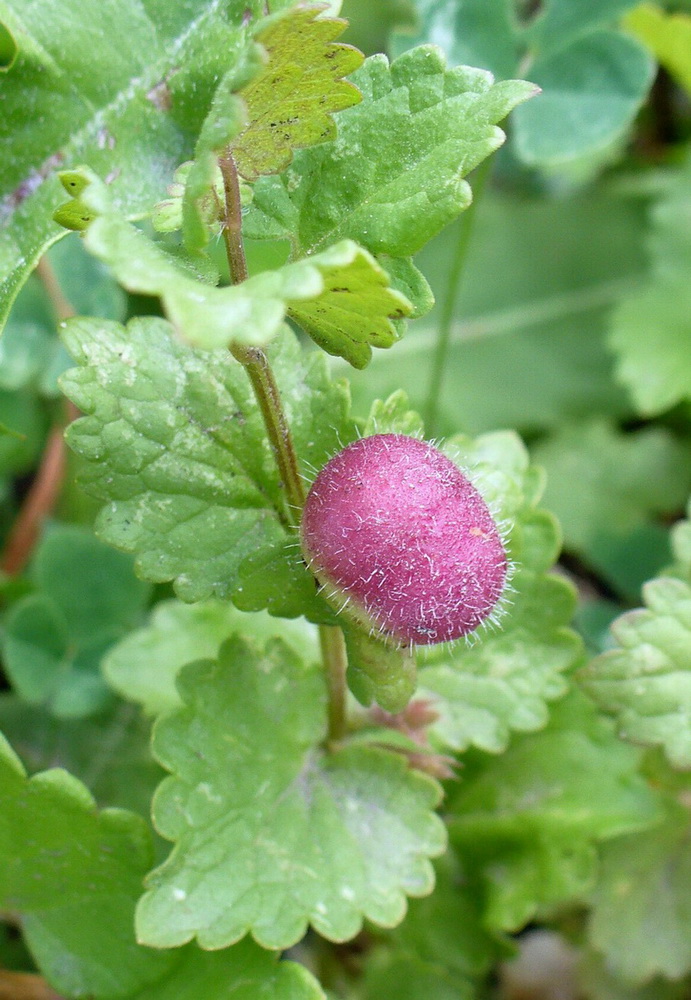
(257,366)
(254,360)
(334,659)
(232,228)
(458,263)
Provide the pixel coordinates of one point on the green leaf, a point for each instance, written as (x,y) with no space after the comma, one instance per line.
(72,875)
(503,682)
(442,939)
(526,823)
(378,672)
(593,80)
(606,487)
(128,111)
(351,307)
(406,977)
(668,36)
(175,443)
(245,972)
(20,450)
(641,912)
(143,666)
(646,682)
(404,151)
(87,596)
(651,331)
(108,752)
(291,102)
(528,329)
(338,836)
(356,310)
(591,92)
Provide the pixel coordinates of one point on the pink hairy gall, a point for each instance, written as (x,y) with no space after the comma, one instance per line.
(393,529)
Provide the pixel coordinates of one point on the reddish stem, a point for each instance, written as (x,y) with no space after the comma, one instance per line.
(45,489)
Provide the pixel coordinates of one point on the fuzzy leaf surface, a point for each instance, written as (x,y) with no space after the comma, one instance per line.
(526,823)
(72,875)
(86,598)
(143,666)
(646,682)
(341,296)
(129,112)
(404,151)
(272,842)
(641,911)
(291,102)
(175,444)
(503,683)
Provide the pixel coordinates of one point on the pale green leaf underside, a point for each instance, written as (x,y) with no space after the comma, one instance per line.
(341,295)
(646,682)
(174,442)
(502,683)
(72,96)
(144,665)
(527,822)
(291,102)
(72,875)
(272,842)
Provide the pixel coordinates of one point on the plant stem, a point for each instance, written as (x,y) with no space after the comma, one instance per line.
(334,659)
(268,397)
(254,360)
(453,288)
(232,228)
(45,488)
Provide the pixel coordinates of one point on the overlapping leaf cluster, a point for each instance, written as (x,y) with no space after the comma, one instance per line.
(268,832)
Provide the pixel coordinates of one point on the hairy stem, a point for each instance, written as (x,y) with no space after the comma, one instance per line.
(45,489)
(334,659)
(232,224)
(268,397)
(254,360)
(458,263)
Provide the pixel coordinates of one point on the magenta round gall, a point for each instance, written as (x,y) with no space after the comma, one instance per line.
(392,527)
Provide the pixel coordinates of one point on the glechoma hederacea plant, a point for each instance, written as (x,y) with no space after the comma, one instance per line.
(343,608)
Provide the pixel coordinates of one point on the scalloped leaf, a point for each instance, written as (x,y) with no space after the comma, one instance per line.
(420,128)
(72,874)
(650,330)
(646,682)
(271,842)
(351,307)
(503,682)
(129,111)
(290,103)
(144,665)
(175,443)
(526,823)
